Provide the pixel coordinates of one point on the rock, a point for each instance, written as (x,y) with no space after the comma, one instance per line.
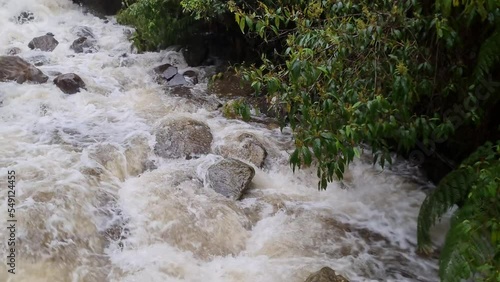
(245,147)
(109,7)
(136,153)
(194,54)
(15,68)
(38,60)
(45,43)
(166,71)
(177,80)
(13,51)
(25,17)
(111,158)
(191,77)
(83,31)
(182,138)
(84,45)
(69,83)
(326,274)
(229,85)
(230,177)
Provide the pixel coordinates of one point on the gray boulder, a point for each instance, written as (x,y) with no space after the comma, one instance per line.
(45,43)
(182,138)
(17,69)
(230,177)
(177,80)
(244,146)
(84,45)
(165,71)
(326,274)
(69,83)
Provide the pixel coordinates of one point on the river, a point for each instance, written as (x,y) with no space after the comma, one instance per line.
(80,220)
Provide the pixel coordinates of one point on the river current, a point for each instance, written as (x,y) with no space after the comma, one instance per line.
(82,219)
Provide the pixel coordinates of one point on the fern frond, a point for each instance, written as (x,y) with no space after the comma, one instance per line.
(488,53)
(452,190)
(466,246)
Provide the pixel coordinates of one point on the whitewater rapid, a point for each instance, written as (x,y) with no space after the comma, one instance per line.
(80,220)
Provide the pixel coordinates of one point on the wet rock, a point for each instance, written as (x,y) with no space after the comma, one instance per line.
(45,43)
(244,146)
(25,17)
(13,51)
(136,152)
(166,71)
(110,158)
(54,73)
(38,60)
(191,77)
(177,80)
(84,45)
(230,177)
(109,7)
(230,85)
(182,138)
(69,83)
(326,274)
(83,31)
(17,69)
(195,53)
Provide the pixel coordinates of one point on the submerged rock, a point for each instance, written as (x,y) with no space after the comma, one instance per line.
(13,51)
(17,69)
(165,71)
(182,138)
(45,43)
(69,83)
(25,17)
(326,274)
(191,77)
(245,147)
(84,45)
(83,31)
(230,177)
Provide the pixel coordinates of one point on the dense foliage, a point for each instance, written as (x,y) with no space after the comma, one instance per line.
(393,75)
(158,23)
(472,246)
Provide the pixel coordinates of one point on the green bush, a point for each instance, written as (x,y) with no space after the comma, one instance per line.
(158,23)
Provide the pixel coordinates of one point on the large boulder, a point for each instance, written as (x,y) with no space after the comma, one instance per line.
(84,45)
(195,53)
(230,178)
(45,43)
(17,69)
(69,83)
(182,138)
(244,146)
(108,7)
(326,274)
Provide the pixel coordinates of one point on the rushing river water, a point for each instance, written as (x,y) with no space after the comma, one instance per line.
(82,219)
